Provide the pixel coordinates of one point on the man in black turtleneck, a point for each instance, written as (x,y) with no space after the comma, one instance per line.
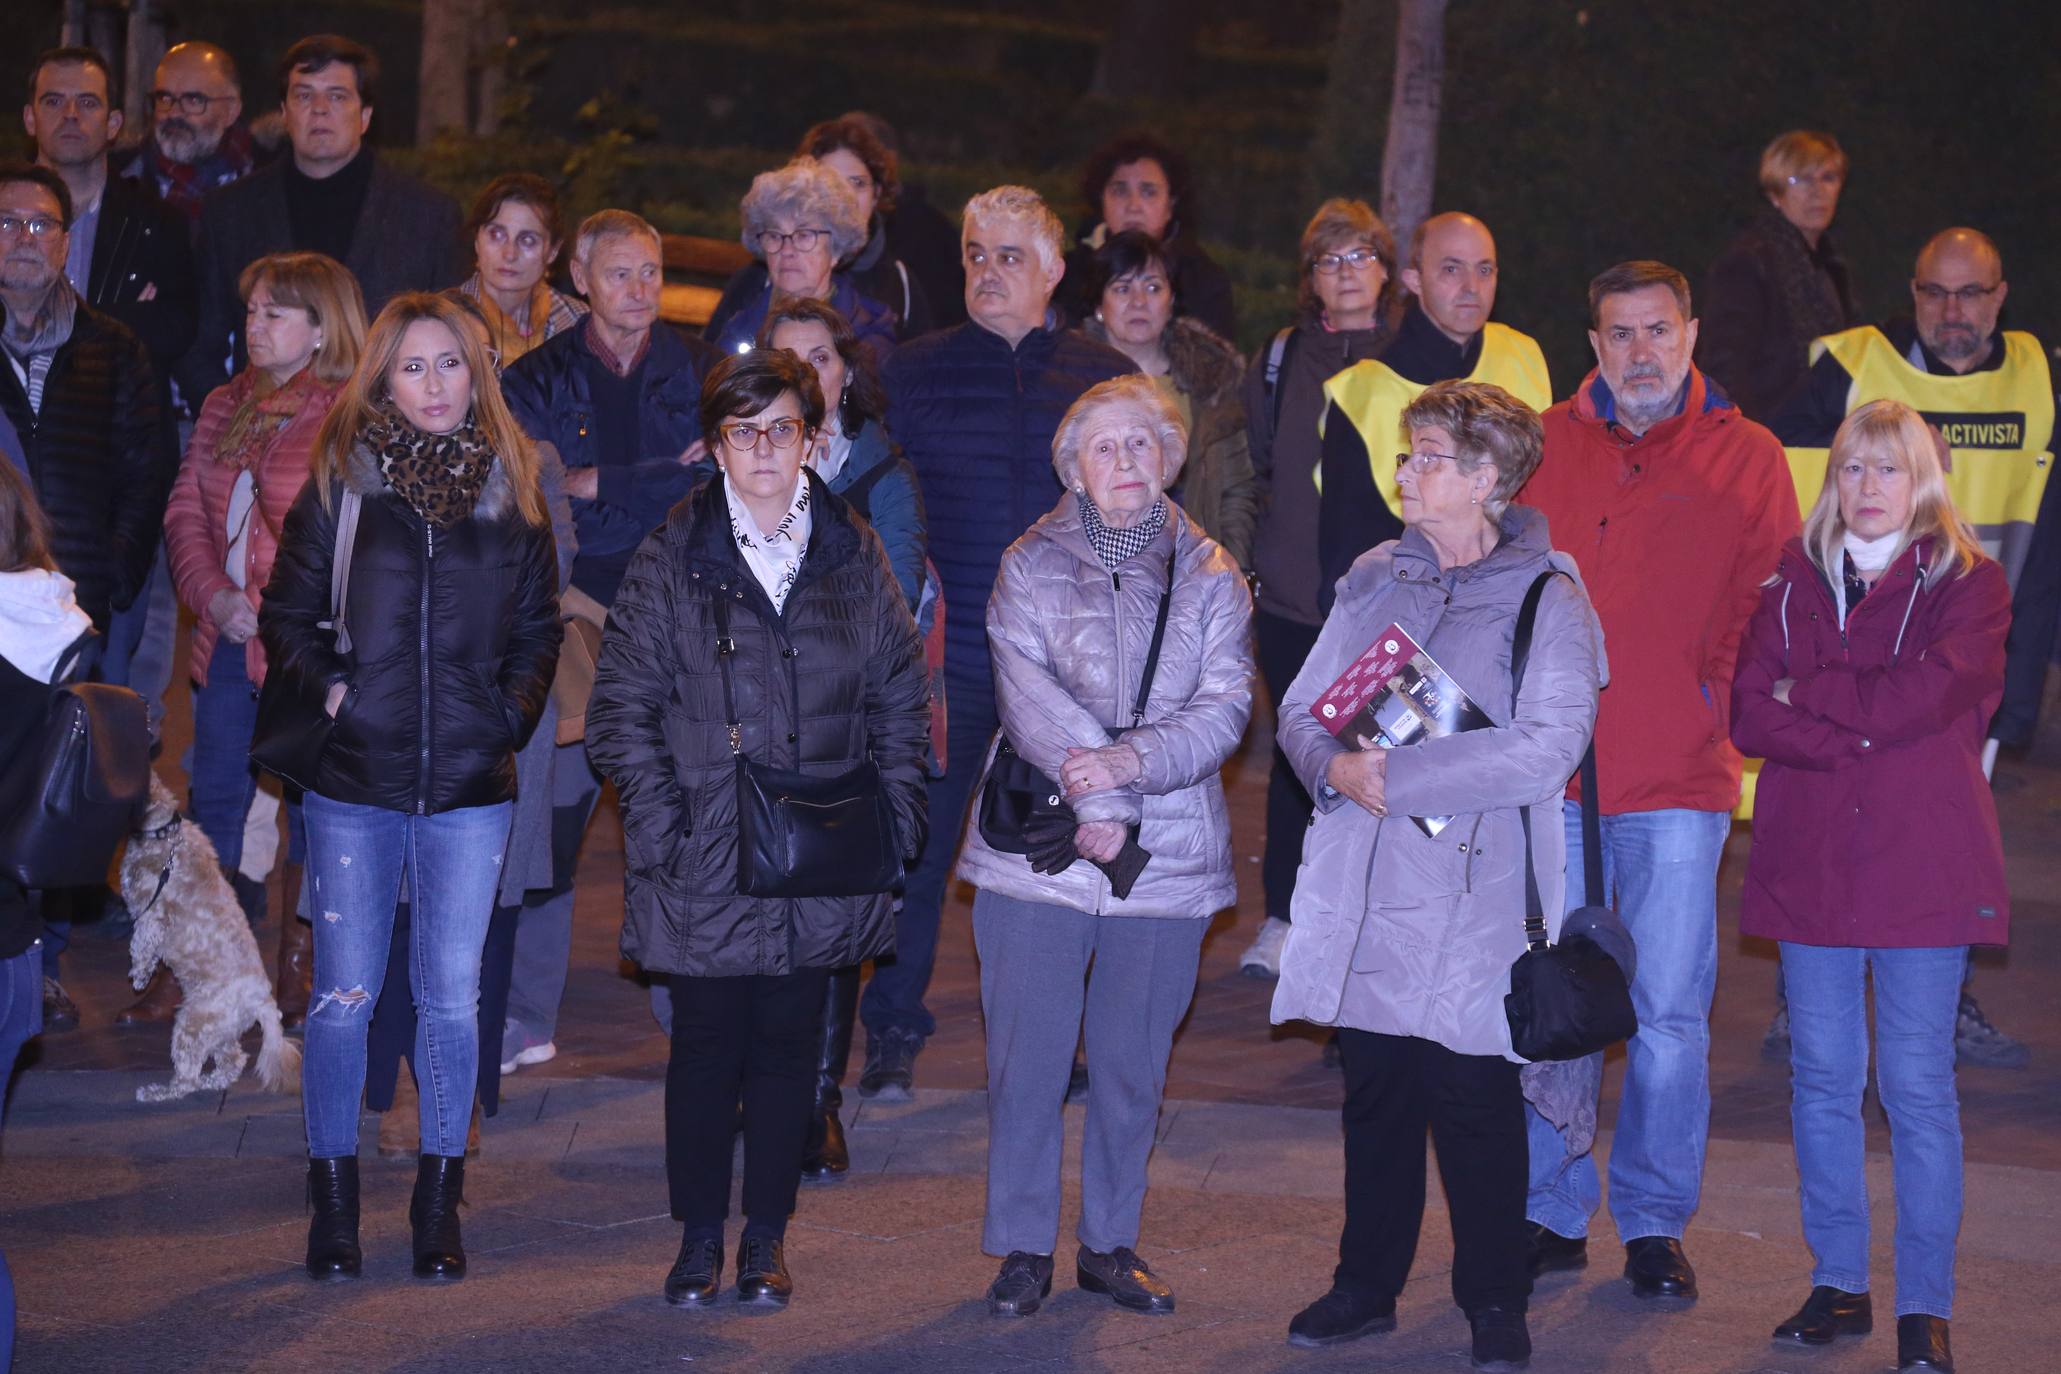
(331,196)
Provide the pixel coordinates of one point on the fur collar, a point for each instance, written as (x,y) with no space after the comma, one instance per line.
(1201,361)
(496,499)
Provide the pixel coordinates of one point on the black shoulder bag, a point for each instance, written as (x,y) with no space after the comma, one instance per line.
(1573,998)
(1024,812)
(71,794)
(801,835)
(292,730)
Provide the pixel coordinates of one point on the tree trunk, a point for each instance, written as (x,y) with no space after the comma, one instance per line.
(493,68)
(146,45)
(1148,51)
(444,81)
(1409,163)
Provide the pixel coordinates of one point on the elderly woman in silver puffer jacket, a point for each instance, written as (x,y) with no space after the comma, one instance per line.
(1070,626)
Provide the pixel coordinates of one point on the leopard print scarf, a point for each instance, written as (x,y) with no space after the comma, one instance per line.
(440,475)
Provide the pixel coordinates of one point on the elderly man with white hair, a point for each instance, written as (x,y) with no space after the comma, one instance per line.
(1120,636)
(974,408)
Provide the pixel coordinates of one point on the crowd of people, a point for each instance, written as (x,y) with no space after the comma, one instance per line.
(928,511)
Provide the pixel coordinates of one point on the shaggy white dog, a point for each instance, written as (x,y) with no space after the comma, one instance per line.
(187,916)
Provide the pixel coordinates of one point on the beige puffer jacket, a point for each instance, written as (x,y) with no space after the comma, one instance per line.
(1069,643)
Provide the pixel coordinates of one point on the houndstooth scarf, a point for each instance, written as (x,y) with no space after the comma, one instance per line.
(1116,547)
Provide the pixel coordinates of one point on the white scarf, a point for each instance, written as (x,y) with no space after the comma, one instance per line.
(1870,557)
(39,620)
(774,557)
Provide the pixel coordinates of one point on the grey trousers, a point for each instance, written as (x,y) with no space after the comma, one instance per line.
(1040,966)
(543,933)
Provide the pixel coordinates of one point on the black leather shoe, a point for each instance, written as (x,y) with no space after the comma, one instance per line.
(696,1278)
(1123,1278)
(439,1188)
(1549,1252)
(890,1072)
(1022,1286)
(1921,1343)
(1827,1314)
(825,1159)
(1502,1341)
(1658,1268)
(762,1278)
(333,1233)
(1340,1316)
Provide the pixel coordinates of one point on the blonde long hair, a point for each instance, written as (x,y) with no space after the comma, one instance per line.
(1890,429)
(358,405)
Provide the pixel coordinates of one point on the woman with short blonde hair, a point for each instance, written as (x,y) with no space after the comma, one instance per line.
(1866,681)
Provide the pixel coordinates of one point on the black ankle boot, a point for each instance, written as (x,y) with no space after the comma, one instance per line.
(333,1232)
(825,1159)
(439,1188)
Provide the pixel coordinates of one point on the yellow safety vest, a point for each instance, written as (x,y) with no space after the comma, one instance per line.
(1997,422)
(1373,396)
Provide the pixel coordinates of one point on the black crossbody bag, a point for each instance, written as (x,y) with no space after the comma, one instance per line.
(1019,801)
(801,835)
(1568,999)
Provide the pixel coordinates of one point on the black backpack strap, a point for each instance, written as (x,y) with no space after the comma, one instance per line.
(859,495)
(1278,353)
(1592,835)
(74,661)
(1166,601)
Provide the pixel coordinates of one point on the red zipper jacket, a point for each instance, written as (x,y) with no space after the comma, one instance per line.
(1873,825)
(1674,530)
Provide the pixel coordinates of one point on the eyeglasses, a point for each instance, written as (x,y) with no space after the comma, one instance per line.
(1827,177)
(189,102)
(1331,264)
(772,240)
(1421,463)
(35,226)
(1940,295)
(743,438)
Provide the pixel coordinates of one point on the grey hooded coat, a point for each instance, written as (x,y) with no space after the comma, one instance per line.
(1395,931)
(1069,641)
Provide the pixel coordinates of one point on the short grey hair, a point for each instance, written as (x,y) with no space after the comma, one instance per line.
(809,194)
(1132,390)
(1023,206)
(1488,425)
(610,224)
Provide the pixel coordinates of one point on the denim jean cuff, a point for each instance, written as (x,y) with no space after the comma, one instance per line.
(1821,1278)
(1564,1221)
(1629,1230)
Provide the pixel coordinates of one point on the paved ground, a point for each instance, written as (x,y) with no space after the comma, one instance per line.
(167,1237)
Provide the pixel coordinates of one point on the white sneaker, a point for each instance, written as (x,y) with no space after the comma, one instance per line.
(1263,959)
(530,1054)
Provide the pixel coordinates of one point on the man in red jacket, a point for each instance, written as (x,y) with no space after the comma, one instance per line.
(1676,506)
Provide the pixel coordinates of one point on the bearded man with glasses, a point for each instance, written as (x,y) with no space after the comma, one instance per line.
(197,139)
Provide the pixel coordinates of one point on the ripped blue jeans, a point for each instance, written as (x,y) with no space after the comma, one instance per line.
(357,858)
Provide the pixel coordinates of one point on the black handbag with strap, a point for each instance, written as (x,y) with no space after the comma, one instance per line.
(1570,998)
(800,834)
(72,792)
(1019,805)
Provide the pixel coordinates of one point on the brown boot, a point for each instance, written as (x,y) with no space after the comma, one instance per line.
(158,1004)
(296,953)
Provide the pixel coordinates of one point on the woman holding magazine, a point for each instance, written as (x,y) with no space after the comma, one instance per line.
(1119,633)
(1402,939)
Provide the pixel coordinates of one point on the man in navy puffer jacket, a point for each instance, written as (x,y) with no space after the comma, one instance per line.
(974,408)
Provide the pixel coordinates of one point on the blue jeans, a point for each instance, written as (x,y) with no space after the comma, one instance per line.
(1662,867)
(21,1019)
(1917,995)
(356,858)
(225,716)
(140,639)
(894,999)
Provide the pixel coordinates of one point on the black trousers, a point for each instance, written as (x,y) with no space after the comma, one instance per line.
(1283,645)
(752,1039)
(1394,1087)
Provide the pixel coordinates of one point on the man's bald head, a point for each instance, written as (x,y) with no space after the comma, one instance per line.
(1957,292)
(186,129)
(1451,270)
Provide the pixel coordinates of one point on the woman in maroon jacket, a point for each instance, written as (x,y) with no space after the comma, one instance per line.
(1868,674)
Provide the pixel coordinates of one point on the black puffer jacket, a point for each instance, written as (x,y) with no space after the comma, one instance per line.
(455,642)
(99,459)
(834,677)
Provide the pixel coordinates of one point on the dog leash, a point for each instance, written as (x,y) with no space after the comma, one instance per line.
(164,875)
